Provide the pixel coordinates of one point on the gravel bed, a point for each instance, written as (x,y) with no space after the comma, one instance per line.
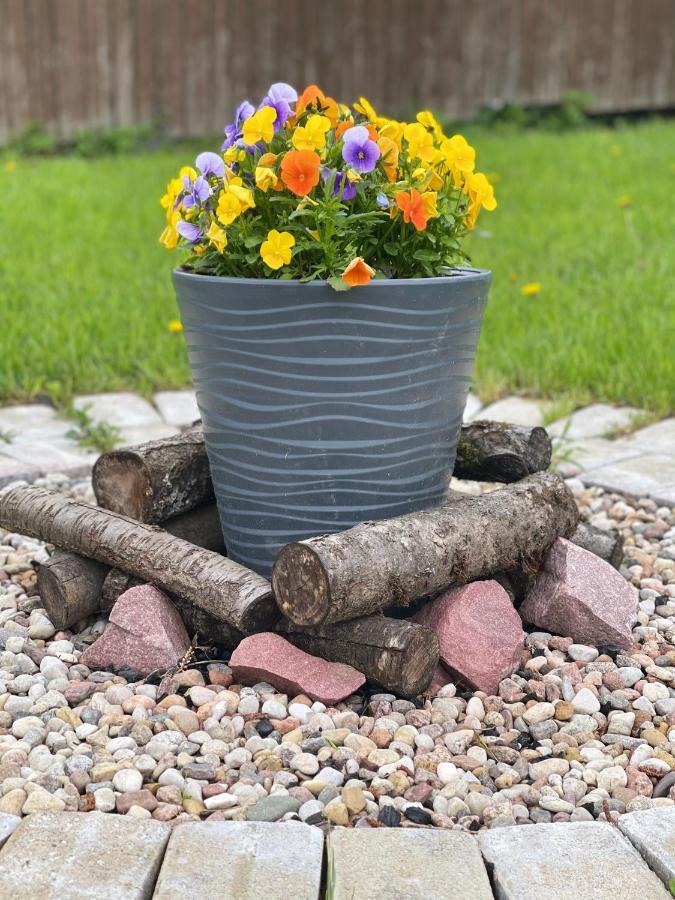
(577,733)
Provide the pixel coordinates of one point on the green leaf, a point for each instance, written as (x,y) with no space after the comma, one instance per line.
(671,886)
(425,255)
(338,284)
(253,240)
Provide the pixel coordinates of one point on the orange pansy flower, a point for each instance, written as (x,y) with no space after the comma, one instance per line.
(412,206)
(313,94)
(357,272)
(300,171)
(341,127)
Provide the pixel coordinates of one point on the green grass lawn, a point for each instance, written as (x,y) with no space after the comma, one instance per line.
(85,293)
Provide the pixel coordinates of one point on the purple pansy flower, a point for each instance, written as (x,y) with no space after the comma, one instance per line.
(244,111)
(190,232)
(382,200)
(279,97)
(210,164)
(340,184)
(358,150)
(194,192)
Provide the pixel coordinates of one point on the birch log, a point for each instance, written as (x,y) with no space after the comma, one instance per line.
(393,562)
(72,587)
(494,451)
(226,590)
(398,655)
(154,481)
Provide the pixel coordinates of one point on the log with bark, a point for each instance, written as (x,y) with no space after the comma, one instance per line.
(374,565)
(494,451)
(199,623)
(154,481)
(223,588)
(398,655)
(72,586)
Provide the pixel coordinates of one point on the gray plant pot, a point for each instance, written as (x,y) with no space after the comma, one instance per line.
(324,409)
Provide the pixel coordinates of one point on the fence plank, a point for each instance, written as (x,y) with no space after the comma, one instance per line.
(82,63)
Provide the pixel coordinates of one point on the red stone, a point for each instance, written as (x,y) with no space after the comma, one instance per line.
(145,633)
(479,631)
(269,657)
(77,692)
(579,595)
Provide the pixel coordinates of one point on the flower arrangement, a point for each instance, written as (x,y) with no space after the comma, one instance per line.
(306,188)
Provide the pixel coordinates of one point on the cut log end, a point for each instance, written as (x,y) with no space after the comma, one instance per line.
(123,484)
(301,585)
(259,614)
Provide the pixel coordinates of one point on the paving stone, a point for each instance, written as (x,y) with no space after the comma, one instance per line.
(591,453)
(32,421)
(57,455)
(122,410)
(559,861)
(8,823)
(13,470)
(515,410)
(472,407)
(652,833)
(658,438)
(406,863)
(650,475)
(593,421)
(177,408)
(242,861)
(82,857)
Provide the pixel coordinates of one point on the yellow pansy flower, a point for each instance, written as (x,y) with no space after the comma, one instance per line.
(429,120)
(311,135)
(471,216)
(276,250)
(365,107)
(260,126)
(189,171)
(459,157)
(243,194)
(169,237)
(173,189)
(420,142)
(429,200)
(480,191)
(229,208)
(393,130)
(265,178)
(175,326)
(217,237)
(531,288)
(234,154)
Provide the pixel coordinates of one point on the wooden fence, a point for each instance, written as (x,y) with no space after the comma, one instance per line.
(81,63)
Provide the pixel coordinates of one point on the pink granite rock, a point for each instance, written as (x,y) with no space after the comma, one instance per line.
(480,633)
(579,595)
(269,657)
(145,633)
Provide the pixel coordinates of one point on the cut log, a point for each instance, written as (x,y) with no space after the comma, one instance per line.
(70,587)
(223,588)
(398,655)
(198,623)
(608,545)
(154,481)
(394,562)
(494,451)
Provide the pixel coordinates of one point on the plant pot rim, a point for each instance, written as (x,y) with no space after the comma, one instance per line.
(466,274)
